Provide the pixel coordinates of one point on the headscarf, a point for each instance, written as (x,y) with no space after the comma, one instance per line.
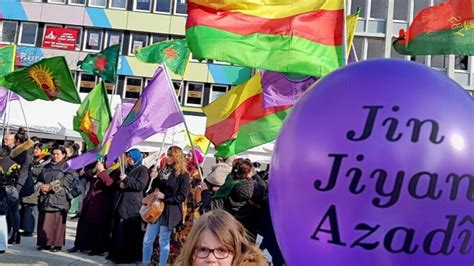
(136,156)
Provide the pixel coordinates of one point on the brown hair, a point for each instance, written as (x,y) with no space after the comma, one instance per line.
(243,169)
(230,232)
(179,165)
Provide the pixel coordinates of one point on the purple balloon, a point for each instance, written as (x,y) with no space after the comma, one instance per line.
(375,166)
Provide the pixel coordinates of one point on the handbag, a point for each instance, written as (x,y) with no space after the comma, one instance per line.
(151,209)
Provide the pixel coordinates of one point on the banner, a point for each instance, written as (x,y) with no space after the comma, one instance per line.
(60,38)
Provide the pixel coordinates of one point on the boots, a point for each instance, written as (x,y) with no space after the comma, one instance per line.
(14,238)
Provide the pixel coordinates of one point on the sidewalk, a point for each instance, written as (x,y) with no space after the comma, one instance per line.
(27,254)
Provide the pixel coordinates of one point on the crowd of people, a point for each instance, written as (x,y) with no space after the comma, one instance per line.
(214,217)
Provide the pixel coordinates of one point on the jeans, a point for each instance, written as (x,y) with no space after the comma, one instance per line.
(152,230)
(13,208)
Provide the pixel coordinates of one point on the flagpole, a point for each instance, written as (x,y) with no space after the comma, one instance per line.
(344,36)
(5,113)
(8,111)
(184,120)
(162,145)
(355,54)
(24,117)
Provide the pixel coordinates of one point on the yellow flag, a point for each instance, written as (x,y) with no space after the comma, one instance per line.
(198,141)
(351,24)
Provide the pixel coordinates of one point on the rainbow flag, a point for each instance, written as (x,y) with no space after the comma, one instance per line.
(446,28)
(237,121)
(298,36)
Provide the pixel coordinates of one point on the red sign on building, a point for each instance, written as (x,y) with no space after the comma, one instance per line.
(60,38)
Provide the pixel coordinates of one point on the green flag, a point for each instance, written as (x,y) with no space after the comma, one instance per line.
(93,116)
(7,59)
(103,64)
(174,53)
(48,79)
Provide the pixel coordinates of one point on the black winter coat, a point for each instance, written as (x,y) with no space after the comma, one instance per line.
(8,191)
(128,201)
(22,154)
(176,189)
(55,201)
(238,200)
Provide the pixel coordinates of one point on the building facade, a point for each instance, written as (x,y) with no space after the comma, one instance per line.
(137,23)
(379,25)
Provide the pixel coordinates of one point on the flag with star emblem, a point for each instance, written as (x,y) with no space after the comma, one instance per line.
(93,116)
(199,141)
(48,79)
(103,64)
(174,53)
(7,59)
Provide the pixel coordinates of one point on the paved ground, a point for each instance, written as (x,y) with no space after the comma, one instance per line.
(26,253)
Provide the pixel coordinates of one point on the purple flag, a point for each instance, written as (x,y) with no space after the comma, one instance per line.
(4,100)
(281,89)
(94,155)
(120,113)
(83,160)
(154,112)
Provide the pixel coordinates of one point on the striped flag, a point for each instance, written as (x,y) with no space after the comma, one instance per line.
(298,36)
(237,121)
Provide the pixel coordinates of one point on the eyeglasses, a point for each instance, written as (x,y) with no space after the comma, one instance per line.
(219,253)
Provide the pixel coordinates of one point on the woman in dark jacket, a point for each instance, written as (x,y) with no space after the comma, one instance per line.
(53,185)
(126,242)
(240,197)
(172,186)
(93,228)
(21,154)
(8,176)
(29,209)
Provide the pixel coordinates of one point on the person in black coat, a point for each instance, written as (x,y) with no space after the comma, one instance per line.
(8,175)
(171,186)
(126,242)
(54,202)
(21,154)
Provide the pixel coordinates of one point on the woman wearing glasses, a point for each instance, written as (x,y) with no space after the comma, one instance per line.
(218,238)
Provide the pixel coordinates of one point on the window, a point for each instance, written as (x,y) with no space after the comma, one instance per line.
(180,7)
(176,89)
(133,87)
(28,33)
(138,41)
(375,48)
(93,40)
(119,4)
(57,1)
(77,2)
(109,86)
(358,4)
(86,82)
(97,3)
(439,61)
(194,93)
(79,36)
(217,91)
(142,5)
(419,59)
(158,38)
(394,53)
(401,10)
(113,38)
(419,5)
(378,9)
(358,46)
(461,62)
(8,31)
(163,6)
